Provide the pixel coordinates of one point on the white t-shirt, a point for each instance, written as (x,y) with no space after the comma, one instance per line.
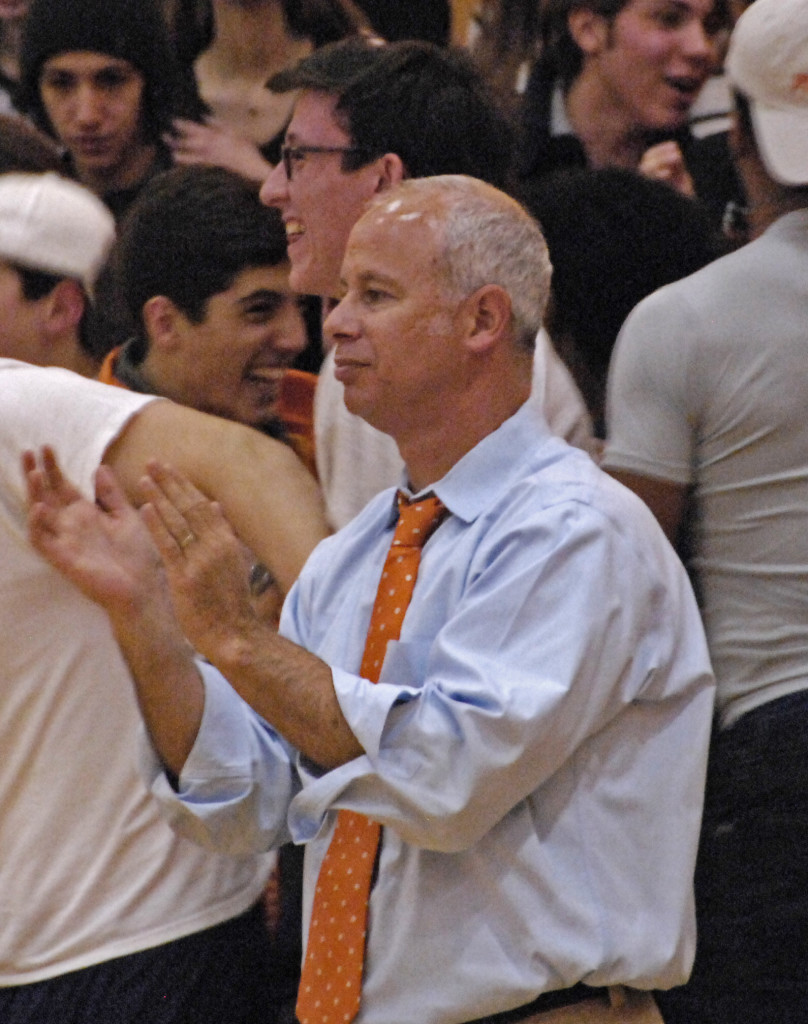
(89,870)
(708,389)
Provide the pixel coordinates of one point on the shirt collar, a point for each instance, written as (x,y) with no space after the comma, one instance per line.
(560,123)
(475,482)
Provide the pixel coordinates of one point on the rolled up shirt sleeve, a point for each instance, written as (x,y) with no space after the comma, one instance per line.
(235,787)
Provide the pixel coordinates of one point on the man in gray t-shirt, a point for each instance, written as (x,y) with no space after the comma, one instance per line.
(706,422)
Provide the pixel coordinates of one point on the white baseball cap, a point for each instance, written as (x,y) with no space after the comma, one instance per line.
(768,63)
(54,225)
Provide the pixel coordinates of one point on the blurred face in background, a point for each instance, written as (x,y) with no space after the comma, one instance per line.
(12,10)
(94,103)
(651,59)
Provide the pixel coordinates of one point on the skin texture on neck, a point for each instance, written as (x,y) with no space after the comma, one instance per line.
(430,453)
(64,350)
(250,44)
(77,359)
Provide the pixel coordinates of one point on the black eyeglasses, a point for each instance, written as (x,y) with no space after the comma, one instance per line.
(291,155)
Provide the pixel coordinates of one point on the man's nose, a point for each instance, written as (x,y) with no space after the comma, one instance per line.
(275,190)
(697,43)
(289,334)
(88,104)
(341,323)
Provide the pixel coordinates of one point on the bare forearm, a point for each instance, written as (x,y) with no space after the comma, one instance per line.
(271,499)
(169,688)
(665,499)
(290,688)
(103,547)
(274,503)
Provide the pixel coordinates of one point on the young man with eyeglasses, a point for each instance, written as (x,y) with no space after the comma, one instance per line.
(367,117)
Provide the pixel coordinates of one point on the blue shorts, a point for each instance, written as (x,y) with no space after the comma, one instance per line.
(221,975)
(752,875)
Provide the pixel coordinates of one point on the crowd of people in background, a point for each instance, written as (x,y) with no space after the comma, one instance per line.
(273,275)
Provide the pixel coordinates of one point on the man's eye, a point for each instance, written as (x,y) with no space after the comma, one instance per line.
(669,17)
(262,307)
(260,314)
(112,79)
(670,20)
(61,83)
(373,295)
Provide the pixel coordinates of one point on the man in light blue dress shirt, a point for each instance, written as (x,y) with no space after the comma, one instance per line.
(535,747)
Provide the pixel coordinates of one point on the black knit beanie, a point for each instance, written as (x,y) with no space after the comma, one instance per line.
(131,30)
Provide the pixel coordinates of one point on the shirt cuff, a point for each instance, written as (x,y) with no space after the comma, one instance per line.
(234,788)
(368,708)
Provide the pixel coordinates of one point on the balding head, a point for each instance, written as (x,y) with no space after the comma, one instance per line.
(486,237)
(444,285)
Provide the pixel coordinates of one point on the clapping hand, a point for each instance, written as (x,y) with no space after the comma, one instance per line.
(102,546)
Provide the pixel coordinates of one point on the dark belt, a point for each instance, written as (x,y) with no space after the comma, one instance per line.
(546,1001)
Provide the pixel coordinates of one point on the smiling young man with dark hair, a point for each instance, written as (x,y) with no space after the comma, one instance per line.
(202,268)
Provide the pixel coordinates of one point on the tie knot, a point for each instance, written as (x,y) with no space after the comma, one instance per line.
(417,520)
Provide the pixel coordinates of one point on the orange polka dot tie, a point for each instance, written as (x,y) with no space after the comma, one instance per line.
(331,981)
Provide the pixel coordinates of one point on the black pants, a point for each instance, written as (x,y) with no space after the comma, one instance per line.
(752,876)
(217,976)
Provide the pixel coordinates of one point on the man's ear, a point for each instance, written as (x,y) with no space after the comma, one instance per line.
(589,30)
(391,171)
(160,317)
(489,311)
(64,307)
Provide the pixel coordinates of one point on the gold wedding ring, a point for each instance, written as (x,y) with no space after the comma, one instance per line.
(186,540)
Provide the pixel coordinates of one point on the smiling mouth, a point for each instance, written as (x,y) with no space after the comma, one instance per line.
(270,375)
(346,369)
(294,230)
(687,88)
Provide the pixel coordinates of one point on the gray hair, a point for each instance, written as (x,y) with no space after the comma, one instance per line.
(488,238)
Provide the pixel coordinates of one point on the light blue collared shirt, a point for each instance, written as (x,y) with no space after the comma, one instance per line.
(535,746)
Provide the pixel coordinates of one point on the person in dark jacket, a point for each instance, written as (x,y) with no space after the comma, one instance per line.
(100,77)
(614,87)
